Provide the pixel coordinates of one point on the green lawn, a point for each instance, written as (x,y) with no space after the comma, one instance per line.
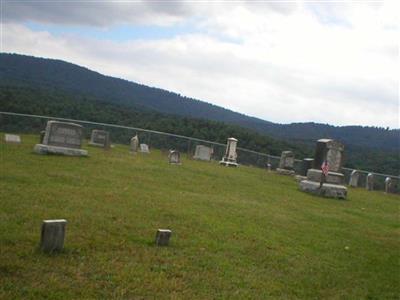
(237,233)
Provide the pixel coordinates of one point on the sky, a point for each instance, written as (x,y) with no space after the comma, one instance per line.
(333,62)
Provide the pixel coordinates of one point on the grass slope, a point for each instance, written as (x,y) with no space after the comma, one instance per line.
(237,233)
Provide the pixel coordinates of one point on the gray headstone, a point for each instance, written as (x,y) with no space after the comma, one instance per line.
(61,138)
(163,236)
(330,150)
(52,235)
(134,144)
(388,184)
(287,160)
(12,138)
(41,137)
(370,182)
(354,176)
(306,165)
(174,157)
(100,138)
(203,152)
(144,148)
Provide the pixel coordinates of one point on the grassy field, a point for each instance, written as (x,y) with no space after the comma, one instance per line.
(237,233)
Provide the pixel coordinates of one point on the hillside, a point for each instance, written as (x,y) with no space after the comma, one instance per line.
(237,233)
(48,73)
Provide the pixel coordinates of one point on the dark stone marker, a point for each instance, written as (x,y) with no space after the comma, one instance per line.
(306,165)
(52,235)
(162,237)
(100,138)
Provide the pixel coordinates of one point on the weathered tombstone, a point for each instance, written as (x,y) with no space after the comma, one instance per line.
(370,182)
(203,153)
(230,156)
(286,163)
(100,138)
(52,235)
(306,165)
(331,185)
(163,236)
(174,157)
(62,138)
(41,136)
(12,138)
(134,144)
(388,184)
(144,148)
(354,176)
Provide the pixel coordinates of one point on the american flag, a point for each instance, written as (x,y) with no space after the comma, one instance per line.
(325,168)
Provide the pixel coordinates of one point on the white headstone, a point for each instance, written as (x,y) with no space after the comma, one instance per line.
(134,144)
(203,153)
(12,138)
(144,148)
(354,178)
(230,156)
(370,182)
(174,157)
(388,184)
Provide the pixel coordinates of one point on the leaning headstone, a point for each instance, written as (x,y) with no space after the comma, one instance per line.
(388,184)
(134,144)
(12,138)
(144,148)
(370,182)
(331,185)
(174,157)
(230,156)
(62,138)
(354,176)
(286,163)
(203,153)
(163,236)
(100,138)
(52,235)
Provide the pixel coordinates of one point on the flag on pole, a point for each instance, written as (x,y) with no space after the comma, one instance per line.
(325,168)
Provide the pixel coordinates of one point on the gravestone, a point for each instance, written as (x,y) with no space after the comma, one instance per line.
(62,138)
(144,148)
(163,236)
(306,165)
(134,144)
(332,184)
(174,157)
(388,184)
(268,167)
(41,136)
(230,156)
(286,163)
(203,153)
(370,182)
(354,176)
(12,138)
(52,235)
(100,138)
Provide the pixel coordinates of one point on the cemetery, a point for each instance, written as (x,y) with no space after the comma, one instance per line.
(117,225)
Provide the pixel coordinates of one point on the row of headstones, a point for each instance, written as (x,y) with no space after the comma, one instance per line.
(53,235)
(286,166)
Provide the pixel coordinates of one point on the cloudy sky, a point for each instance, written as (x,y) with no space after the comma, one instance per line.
(283,61)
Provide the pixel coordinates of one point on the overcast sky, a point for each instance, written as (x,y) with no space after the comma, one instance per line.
(288,61)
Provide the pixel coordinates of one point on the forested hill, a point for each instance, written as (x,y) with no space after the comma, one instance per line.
(48,73)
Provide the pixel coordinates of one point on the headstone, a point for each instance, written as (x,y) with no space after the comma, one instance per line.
(354,176)
(41,137)
(12,138)
(52,235)
(144,148)
(100,138)
(230,156)
(62,138)
(203,153)
(370,182)
(286,163)
(163,236)
(306,165)
(388,184)
(174,157)
(268,167)
(332,184)
(134,144)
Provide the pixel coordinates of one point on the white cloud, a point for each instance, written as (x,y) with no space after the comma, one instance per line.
(287,64)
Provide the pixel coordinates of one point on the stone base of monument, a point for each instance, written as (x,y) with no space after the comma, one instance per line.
(327,189)
(228,163)
(300,178)
(97,145)
(285,171)
(46,149)
(333,177)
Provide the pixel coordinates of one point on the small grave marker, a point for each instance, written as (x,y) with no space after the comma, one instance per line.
(52,235)
(163,236)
